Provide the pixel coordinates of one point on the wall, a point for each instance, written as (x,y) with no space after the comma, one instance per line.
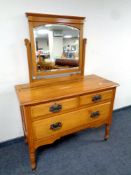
(57,47)
(43,44)
(108,29)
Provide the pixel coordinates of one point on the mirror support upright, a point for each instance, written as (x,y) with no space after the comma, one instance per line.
(84,51)
(28,48)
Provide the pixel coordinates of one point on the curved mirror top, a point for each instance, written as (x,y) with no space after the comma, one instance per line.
(56,47)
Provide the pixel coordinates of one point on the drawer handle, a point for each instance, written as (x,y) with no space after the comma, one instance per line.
(56,108)
(96,98)
(56,126)
(95,114)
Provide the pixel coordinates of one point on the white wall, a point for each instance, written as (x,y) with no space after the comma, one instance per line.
(108,29)
(57,47)
(43,44)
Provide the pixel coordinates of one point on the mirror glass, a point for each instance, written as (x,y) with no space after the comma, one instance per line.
(56,47)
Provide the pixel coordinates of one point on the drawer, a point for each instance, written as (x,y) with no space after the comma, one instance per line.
(54,107)
(67,121)
(96,97)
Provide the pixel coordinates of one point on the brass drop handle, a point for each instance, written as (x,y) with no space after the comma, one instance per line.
(96,98)
(55,108)
(95,114)
(56,126)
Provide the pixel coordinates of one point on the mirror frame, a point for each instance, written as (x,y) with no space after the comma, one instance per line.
(37,19)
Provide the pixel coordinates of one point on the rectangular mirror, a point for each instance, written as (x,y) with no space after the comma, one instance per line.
(56,47)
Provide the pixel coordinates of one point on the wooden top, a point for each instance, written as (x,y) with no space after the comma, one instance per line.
(44,92)
(54,16)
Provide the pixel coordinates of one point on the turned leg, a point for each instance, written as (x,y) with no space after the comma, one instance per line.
(33,160)
(107,131)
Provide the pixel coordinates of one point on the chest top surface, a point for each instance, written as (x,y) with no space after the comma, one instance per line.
(40,92)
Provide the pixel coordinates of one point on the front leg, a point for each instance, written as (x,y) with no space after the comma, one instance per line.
(33,160)
(107,131)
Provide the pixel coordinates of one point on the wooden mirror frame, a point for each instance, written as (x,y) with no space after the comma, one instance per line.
(37,19)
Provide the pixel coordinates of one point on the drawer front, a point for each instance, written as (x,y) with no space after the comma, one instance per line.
(54,107)
(57,124)
(96,97)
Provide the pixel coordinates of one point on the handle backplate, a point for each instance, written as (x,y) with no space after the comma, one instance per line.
(56,126)
(95,114)
(96,98)
(55,108)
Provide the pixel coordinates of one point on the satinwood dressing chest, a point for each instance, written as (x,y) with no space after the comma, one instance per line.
(59,99)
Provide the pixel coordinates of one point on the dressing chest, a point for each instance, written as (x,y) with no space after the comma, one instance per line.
(59,99)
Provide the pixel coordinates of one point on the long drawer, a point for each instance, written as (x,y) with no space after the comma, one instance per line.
(57,124)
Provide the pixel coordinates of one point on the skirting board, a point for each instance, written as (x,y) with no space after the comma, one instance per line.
(21,139)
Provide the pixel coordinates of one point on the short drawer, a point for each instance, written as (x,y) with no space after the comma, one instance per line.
(58,124)
(54,107)
(95,97)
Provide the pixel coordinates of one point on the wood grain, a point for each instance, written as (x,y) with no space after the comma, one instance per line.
(88,98)
(37,94)
(44,109)
(69,120)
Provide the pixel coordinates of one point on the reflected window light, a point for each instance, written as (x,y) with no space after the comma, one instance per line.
(68,36)
(48,25)
(42,32)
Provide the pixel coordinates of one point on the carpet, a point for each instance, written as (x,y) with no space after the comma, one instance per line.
(83,153)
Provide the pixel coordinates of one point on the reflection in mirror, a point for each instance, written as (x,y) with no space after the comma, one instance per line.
(57,47)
